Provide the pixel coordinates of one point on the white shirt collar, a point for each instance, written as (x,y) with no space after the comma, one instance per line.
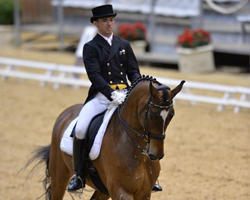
(108,39)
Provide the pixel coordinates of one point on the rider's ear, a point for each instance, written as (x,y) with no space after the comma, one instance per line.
(95,23)
(176,90)
(153,90)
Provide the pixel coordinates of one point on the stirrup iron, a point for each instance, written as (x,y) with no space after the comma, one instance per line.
(79,191)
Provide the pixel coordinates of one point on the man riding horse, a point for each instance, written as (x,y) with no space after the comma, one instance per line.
(109,61)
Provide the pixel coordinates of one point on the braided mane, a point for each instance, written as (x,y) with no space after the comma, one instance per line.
(140,79)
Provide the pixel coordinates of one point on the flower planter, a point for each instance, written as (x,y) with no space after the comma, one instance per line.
(197,60)
(138,46)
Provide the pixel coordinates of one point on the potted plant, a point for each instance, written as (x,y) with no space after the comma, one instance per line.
(135,34)
(6,22)
(195,52)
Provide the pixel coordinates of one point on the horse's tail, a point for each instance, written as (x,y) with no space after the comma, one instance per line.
(41,155)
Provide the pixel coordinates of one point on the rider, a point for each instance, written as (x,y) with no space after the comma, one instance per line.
(109,61)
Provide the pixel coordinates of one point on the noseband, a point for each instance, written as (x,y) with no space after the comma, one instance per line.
(146,135)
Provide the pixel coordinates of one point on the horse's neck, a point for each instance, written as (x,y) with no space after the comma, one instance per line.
(129,114)
(131,106)
(125,147)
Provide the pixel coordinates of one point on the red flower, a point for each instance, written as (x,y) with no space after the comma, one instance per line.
(192,39)
(131,32)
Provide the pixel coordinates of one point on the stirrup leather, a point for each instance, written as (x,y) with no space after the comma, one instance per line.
(71,180)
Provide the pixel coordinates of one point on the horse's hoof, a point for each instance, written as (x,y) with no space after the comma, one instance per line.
(157,188)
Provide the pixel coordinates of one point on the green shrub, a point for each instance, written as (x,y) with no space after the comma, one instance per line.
(6,12)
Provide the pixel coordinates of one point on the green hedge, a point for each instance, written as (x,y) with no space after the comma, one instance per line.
(6,12)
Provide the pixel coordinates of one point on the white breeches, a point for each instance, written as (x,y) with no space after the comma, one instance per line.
(92,108)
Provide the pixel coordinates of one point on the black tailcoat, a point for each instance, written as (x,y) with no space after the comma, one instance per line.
(106,65)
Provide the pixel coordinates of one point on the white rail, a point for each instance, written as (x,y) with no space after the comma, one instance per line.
(49,72)
(229,97)
(236,96)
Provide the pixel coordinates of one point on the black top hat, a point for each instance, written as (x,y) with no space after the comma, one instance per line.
(102,11)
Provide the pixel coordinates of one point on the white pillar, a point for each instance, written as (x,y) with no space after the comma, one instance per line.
(17,23)
(60,19)
(197,22)
(152,23)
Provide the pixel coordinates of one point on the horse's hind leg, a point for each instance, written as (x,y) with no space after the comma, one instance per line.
(58,188)
(98,195)
(60,175)
(59,181)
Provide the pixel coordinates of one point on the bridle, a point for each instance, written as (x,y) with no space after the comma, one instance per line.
(146,135)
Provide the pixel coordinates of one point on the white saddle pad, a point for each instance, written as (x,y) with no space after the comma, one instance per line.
(66,144)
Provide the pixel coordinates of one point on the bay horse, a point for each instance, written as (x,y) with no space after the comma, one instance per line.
(129,161)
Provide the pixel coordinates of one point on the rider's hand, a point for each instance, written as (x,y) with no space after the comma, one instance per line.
(117,97)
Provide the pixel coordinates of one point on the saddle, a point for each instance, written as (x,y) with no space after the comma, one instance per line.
(93,128)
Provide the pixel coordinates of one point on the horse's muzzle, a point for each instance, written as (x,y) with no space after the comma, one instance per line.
(153,157)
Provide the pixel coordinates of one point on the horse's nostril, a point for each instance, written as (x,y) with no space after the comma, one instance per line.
(152,157)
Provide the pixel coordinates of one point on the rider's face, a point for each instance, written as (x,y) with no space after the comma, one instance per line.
(105,25)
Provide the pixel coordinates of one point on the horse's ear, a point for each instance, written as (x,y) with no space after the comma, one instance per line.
(153,90)
(176,90)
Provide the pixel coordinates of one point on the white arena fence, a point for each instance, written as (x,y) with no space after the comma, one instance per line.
(236,96)
(46,72)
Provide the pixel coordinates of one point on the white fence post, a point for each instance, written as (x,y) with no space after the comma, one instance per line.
(226,96)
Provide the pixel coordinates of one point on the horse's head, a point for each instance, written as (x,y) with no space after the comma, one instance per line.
(158,114)
(154,105)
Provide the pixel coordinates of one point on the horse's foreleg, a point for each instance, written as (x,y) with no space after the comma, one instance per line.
(120,194)
(98,195)
(147,196)
(126,196)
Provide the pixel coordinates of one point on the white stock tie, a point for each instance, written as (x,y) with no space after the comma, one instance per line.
(109,41)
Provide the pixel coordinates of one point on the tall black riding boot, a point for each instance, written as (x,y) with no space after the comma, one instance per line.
(77,181)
